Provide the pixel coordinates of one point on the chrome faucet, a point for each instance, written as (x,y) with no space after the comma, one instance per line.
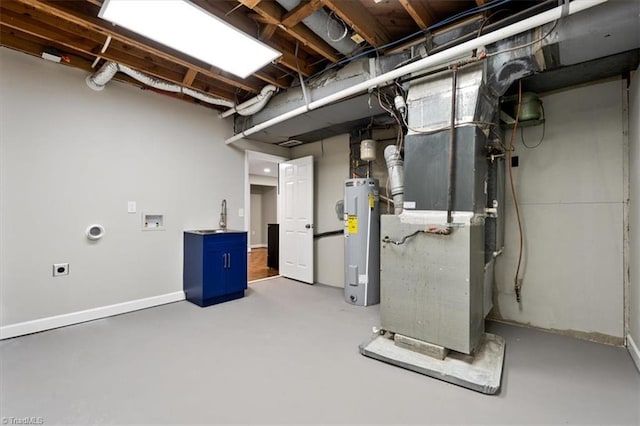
(223,215)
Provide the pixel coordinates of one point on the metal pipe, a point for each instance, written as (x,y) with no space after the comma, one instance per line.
(430,61)
(452,148)
(395,165)
(223,215)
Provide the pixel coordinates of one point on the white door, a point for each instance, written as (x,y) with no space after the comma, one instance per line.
(296,219)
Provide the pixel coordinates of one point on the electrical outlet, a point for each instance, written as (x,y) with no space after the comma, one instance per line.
(60,269)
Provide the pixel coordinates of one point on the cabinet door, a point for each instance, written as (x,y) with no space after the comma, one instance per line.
(236,268)
(214,274)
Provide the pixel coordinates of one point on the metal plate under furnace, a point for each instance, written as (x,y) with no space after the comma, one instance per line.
(480,372)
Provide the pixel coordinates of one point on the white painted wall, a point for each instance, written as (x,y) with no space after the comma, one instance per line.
(269,209)
(255,234)
(70,157)
(634,212)
(331,168)
(571,196)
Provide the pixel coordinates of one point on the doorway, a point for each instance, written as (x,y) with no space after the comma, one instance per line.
(261,201)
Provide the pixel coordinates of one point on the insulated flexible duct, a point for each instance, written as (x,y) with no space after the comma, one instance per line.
(100,78)
(254,104)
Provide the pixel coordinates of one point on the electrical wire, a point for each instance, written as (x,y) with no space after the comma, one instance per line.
(333,19)
(544,127)
(487,6)
(517,282)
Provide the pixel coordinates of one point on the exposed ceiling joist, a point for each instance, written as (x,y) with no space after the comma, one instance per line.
(102,27)
(273,14)
(300,12)
(189,76)
(75,30)
(251,3)
(267,31)
(420,12)
(288,55)
(281,83)
(32,45)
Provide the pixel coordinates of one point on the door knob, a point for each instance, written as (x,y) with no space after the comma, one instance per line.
(309,225)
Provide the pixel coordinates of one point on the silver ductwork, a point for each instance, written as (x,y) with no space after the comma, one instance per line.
(322,24)
(395,165)
(254,104)
(100,78)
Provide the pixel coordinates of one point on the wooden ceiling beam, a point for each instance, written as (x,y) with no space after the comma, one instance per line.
(267,31)
(15,40)
(31,45)
(251,3)
(420,12)
(273,14)
(305,9)
(282,83)
(189,76)
(40,30)
(235,19)
(361,20)
(78,37)
(102,27)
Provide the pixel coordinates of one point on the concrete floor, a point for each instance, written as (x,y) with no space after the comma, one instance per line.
(288,353)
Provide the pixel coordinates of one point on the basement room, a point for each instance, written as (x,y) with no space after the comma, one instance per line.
(320,212)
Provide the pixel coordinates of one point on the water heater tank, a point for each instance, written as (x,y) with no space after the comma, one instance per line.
(362,242)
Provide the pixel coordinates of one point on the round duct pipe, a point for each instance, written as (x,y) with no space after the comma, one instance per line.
(320,23)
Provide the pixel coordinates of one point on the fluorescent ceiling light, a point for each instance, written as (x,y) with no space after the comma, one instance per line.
(185,27)
(267,170)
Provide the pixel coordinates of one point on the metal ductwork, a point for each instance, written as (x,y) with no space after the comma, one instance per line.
(273,117)
(100,78)
(322,24)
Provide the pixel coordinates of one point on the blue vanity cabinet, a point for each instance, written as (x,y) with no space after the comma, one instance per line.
(215,266)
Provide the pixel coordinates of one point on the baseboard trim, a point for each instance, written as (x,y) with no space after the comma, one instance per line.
(259,246)
(42,324)
(634,351)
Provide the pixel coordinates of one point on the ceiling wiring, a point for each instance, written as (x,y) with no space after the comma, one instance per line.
(488,6)
(335,19)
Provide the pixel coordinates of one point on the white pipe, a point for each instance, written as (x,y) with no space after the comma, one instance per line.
(430,61)
(254,104)
(395,165)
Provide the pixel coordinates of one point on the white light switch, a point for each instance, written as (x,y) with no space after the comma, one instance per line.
(131,207)
(241,212)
